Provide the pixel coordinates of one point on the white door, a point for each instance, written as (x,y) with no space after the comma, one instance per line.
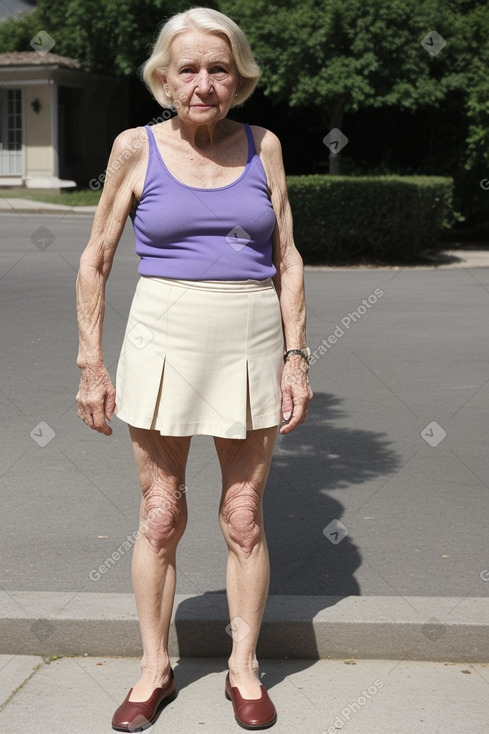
(11,148)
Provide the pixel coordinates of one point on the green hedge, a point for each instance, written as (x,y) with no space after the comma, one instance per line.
(347,219)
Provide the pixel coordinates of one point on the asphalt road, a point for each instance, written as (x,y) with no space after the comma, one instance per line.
(384,491)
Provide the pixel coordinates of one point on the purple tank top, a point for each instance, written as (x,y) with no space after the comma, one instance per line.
(192,233)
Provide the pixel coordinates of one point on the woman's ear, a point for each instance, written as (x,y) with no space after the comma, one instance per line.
(164,83)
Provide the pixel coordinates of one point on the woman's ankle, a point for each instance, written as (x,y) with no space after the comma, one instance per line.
(244,668)
(156,671)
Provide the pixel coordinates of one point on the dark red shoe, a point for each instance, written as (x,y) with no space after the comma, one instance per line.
(140,715)
(251,713)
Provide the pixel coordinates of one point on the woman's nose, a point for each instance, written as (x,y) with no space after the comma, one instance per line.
(203,82)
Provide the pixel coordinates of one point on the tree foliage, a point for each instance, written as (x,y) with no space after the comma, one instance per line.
(16,33)
(107,36)
(474,59)
(350,55)
(347,54)
(341,56)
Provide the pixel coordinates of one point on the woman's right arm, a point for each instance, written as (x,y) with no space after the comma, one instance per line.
(123,183)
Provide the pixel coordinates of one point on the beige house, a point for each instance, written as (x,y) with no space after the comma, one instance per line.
(57,122)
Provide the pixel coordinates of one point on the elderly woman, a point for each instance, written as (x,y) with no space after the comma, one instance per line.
(215,342)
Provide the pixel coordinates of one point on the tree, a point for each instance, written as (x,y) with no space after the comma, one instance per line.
(473,59)
(347,55)
(16,33)
(107,36)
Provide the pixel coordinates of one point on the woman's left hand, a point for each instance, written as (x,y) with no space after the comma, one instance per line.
(296,393)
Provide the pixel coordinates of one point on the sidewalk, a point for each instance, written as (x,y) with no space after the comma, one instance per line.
(79,695)
(15,205)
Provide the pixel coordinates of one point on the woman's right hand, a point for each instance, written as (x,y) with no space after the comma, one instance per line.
(96,398)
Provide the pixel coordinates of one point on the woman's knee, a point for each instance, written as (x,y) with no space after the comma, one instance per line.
(241,518)
(161,462)
(163,514)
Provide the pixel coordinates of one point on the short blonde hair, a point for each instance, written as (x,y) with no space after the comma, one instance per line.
(210,21)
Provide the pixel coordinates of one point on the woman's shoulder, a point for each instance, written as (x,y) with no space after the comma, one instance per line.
(130,142)
(266,141)
(269,149)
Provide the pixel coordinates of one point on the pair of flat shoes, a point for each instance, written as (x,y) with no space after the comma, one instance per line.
(134,716)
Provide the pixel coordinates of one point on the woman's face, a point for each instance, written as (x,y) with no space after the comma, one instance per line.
(202,78)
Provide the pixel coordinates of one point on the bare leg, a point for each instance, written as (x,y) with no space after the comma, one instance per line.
(245,465)
(161,462)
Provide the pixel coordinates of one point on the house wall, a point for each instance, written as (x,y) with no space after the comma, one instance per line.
(71,136)
(37,133)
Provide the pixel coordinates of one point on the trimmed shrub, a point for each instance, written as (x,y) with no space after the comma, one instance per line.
(348,219)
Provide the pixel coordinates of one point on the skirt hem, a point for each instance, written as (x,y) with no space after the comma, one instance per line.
(199,428)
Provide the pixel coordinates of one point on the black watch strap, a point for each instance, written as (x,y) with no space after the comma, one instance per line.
(302,352)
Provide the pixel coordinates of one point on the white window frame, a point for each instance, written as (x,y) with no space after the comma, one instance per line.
(12,160)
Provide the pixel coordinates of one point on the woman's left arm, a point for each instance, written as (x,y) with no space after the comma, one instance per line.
(289,283)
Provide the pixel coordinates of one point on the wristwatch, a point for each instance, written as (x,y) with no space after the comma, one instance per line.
(305,353)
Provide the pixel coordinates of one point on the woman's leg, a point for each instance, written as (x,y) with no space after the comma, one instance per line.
(161,462)
(245,465)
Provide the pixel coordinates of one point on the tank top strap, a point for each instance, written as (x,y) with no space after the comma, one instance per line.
(151,140)
(251,143)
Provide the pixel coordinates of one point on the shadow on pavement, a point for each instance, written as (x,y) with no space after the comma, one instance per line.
(322,455)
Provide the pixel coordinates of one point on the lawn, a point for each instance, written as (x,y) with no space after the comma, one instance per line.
(82,197)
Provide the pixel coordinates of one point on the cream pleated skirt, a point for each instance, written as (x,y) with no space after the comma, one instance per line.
(201,358)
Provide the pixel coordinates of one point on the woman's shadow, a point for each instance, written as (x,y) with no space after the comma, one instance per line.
(312,554)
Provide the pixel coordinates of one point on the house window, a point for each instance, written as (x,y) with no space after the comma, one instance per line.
(11,150)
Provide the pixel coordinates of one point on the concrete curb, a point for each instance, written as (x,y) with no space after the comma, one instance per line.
(411,628)
(27,206)
(435,260)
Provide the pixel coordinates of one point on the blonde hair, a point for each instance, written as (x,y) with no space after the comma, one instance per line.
(215,23)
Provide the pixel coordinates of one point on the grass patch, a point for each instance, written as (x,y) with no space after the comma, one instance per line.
(82,197)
